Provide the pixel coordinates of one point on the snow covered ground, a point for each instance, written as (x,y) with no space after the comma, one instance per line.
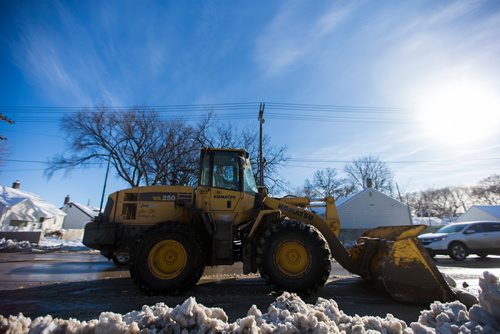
(47,243)
(287,314)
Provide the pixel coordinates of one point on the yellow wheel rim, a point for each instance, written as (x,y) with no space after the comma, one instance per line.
(292,258)
(167,259)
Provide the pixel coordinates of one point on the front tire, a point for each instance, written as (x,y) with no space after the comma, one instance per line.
(294,256)
(168,260)
(458,251)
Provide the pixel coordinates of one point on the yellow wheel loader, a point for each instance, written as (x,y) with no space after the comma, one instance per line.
(173,232)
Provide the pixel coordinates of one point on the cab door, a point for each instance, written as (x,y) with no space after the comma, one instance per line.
(219,189)
(226,191)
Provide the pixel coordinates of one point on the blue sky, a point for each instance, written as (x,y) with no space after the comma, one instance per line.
(428,71)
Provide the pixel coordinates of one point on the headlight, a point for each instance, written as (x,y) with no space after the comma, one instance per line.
(436,239)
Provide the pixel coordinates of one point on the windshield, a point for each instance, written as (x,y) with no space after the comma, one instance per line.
(248,178)
(452,228)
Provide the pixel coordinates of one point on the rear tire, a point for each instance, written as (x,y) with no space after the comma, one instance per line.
(294,256)
(458,251)
(168,260)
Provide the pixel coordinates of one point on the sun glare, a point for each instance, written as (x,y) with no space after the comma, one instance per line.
(459,113)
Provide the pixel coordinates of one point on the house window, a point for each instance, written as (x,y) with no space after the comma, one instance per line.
(19,223)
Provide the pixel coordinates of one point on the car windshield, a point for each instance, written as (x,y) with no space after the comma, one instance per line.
(452,228)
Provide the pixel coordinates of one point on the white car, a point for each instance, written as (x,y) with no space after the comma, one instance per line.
(458,240)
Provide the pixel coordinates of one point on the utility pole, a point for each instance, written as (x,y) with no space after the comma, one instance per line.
(261,158)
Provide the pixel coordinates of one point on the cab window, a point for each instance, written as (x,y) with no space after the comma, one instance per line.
(226,172)
(249,185)
(205,171)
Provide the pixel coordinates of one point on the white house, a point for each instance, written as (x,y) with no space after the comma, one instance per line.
(24,211)
(481,212)
(368,209)
(77,215)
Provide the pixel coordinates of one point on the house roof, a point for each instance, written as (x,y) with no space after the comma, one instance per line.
(10,198)
(493,210)
(91,212)
(344,200)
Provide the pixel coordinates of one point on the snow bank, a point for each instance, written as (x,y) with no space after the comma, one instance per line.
(287,314)
(46,245)
(13,245)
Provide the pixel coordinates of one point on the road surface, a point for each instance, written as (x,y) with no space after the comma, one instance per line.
(82,285)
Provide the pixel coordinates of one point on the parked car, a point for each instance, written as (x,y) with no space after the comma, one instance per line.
(458,240)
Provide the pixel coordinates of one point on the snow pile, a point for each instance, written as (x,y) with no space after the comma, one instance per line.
(53,242)
(46,245)
(287,314)
(13,245)
(455,318)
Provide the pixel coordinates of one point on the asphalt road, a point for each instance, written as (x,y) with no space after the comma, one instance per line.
(82,285)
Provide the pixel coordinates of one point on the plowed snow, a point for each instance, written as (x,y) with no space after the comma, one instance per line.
(287,314)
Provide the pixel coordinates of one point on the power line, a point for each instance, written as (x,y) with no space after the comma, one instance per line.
(45,162)
(228,111)
(434,169)
(220,106)
(300,160)
(395,161)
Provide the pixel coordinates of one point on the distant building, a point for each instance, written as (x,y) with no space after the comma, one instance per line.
(481,212)
(24,211)
(368,209)
(77,215)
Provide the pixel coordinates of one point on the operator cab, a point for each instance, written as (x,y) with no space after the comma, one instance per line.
(226,190)
(228,169)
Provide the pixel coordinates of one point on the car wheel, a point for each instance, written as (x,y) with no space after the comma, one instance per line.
(457,251)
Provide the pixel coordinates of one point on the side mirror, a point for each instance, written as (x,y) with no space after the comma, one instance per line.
(470,231)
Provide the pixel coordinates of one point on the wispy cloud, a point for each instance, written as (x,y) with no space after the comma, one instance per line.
(43,65)
(61,63)
(292,37)
(78,60)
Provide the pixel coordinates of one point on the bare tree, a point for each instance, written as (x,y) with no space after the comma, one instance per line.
(444,202)
(327,183)
(359,171)
(140,146)
(3,147)
(487,191)
(174,157)
(225,135)
(146,150)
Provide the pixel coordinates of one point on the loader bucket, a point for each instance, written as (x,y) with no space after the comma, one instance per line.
(393,258)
